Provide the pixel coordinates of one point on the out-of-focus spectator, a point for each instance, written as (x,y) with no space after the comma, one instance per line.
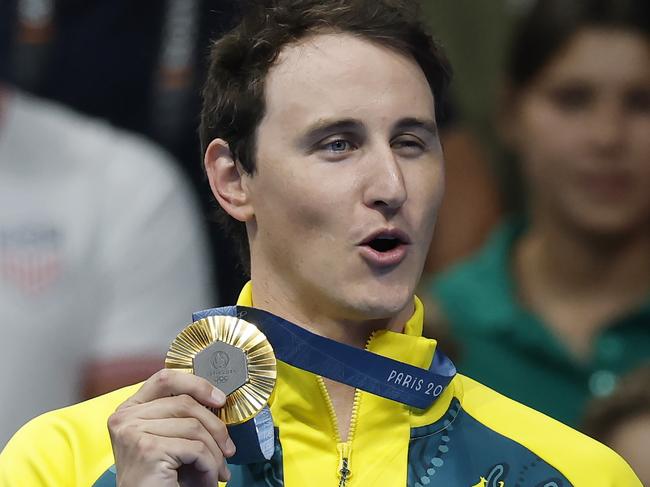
(622,420)
(557,304)
(139,65)
(102,257)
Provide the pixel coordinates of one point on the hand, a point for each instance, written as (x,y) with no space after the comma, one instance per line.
(164,435)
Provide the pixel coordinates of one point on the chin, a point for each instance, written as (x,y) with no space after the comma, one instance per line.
(608,226)
(379,302)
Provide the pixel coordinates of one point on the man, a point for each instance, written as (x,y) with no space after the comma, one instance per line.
(320,135)
(87,215)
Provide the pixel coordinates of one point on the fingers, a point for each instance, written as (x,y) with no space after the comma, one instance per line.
(187,428)
(166,432)
(167,382)
(206,469)
(183,407)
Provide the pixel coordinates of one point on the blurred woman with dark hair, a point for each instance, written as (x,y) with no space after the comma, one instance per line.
(557,304)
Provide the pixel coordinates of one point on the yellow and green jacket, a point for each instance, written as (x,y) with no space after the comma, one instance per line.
(470,437)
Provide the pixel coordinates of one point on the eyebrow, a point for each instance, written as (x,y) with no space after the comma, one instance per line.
(324,127)
(411,123)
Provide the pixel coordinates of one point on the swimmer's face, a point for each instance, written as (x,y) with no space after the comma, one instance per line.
(349,178)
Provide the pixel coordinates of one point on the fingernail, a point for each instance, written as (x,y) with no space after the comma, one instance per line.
(230,447)
(218,396)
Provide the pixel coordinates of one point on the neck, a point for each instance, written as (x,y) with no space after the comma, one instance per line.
(578,285)
(316,316)
(574,264)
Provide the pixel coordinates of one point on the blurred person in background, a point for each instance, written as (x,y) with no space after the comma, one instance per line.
(622,420)
(138,65)
(102,257)
(556,304)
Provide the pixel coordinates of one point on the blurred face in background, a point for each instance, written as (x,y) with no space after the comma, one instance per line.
(581,129)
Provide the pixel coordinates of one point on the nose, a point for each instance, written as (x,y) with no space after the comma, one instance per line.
(385,188)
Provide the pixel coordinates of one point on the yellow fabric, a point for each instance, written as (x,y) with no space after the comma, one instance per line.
(71,447)
(66,447)
(310,442)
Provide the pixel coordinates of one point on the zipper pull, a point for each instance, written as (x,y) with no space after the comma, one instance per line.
(344,463)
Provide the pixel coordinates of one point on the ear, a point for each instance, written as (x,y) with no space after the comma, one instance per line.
(226,181)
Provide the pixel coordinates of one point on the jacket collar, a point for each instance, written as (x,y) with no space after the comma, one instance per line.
(408,347)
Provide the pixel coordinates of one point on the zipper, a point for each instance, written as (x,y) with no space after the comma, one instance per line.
(344,463)
(344,448)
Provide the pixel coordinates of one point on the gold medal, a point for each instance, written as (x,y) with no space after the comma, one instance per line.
(235,356)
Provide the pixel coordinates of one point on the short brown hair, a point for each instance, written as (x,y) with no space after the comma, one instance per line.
(550,24)
(233,94)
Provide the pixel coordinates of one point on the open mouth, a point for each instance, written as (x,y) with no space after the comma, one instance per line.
(384,244)
(385,248)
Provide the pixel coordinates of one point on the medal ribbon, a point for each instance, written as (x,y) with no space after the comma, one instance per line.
(358,368)
(343,363)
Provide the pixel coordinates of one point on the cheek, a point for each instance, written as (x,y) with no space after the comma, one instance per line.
(433,193)
(298,206)
(639,145)
(426,189)
(546,143)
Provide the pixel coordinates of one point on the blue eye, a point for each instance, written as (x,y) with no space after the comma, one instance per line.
(338,145)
